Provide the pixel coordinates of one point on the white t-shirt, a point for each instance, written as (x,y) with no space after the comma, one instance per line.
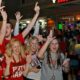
(35,62)
(35,76)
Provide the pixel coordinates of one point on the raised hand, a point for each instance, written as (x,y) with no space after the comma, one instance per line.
(51,33)
(37,8)
(1,7)
(66,62)
(4,14)
(50,36)
(0,2)
(18,16)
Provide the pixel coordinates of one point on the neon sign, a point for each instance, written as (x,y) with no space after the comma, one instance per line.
(63,1)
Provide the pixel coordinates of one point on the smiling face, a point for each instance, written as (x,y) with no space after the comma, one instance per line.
(54,46)
(34,45)
(16,47)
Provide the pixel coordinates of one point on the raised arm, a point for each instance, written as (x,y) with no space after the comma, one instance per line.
(18,18)
(36,29)
(3,27)
(44,47)
(31,24)
(0,2)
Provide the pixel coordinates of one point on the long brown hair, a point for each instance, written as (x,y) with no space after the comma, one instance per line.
(49,55)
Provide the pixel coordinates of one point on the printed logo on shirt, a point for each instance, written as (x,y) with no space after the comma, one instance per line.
(18,71)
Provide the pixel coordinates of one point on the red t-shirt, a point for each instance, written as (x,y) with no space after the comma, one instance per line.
(1,74)
(5,42)
(2,66)
(16,70)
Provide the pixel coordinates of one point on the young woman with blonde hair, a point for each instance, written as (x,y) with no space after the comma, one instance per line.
(16,62)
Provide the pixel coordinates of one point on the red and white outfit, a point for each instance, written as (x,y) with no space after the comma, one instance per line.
(2,66)
(5,42)
(16,70)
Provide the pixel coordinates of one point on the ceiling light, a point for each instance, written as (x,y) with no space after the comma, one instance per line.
(54,1)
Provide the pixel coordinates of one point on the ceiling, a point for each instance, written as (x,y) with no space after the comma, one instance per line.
(48,9)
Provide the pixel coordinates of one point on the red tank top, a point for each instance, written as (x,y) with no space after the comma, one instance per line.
(16,70)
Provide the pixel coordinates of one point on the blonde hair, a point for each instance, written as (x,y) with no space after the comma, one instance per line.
(28,47)
(9,50)
(33,38)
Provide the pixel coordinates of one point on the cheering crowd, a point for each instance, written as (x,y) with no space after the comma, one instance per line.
(34,58)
